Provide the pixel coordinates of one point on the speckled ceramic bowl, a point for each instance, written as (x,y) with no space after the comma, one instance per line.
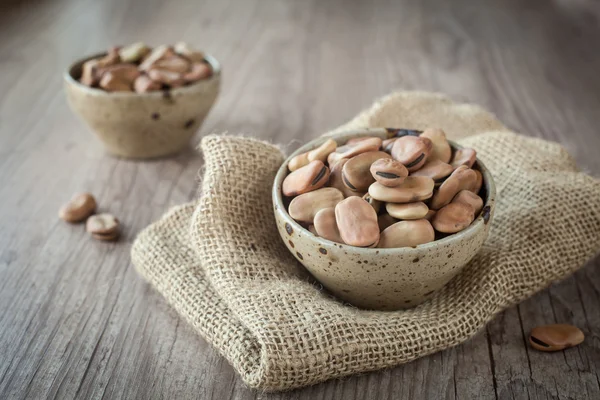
(382,279)
(146,125)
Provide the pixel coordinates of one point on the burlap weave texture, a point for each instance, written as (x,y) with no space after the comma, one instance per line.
(221,263)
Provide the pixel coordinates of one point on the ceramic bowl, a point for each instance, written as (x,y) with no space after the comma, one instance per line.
(382,279)
(143,125)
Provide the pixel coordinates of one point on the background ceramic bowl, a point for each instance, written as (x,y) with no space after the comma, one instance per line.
(382,279)
(143,125)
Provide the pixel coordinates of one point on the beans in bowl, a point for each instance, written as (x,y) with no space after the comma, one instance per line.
(138,68)
(403,191)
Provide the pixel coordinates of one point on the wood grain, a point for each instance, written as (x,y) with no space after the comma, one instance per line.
(75,319)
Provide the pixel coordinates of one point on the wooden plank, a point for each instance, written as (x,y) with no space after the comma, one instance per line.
(77,322)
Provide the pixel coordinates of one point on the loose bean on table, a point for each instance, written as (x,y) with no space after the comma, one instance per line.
(103,227)
(80,207)
(555,337)
(102,224)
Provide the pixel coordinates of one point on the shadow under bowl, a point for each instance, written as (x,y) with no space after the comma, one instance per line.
(382,279)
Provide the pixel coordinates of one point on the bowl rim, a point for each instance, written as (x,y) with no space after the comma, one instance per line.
(68,78)
(478,224)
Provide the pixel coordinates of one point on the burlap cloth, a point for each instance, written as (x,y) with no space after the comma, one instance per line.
(221,264)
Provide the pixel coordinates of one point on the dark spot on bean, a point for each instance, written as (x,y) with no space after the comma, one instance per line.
(252,247)
(387,175)
(299,256)
(347,182)
(377,252)
(345,291)
(330,263)
(291,244)
(416,161)
(288,228)
(416,259)
(450,255)
(322,250)
(189,123)
(538,341)
(319,176)
(407,301)
(486,214)
(155,116)
(428,293)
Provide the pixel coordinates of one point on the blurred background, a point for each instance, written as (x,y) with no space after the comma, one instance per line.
(76,320)
(296,69)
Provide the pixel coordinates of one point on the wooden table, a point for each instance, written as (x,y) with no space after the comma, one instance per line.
(76,320)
